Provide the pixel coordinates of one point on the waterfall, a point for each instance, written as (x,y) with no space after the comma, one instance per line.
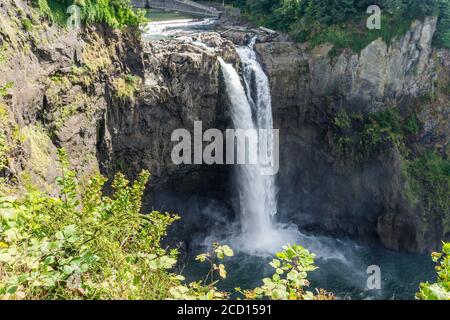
(251,108)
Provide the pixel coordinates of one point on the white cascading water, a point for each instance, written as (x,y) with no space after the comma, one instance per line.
(257,192)
(251,108)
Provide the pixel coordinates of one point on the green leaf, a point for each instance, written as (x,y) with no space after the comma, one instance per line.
(153,264)
(69,231)
(23,278)
(49,260)
(275,263)
(201,257)
(12,289)
(227,251)
(68,270)
(84,268)
(222,271)
(167,262)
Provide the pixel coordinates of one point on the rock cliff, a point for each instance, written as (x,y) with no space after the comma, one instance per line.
(113,101)
(365,199)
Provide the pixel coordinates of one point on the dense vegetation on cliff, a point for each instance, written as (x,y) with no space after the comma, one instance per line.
(114,13)
(356,138)
(343,23)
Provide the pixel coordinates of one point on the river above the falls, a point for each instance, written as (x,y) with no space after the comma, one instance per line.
(165,25)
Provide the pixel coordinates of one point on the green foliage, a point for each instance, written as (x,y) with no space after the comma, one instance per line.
(411,125)
(357,138)
(343,23)
(354,34)
(4,145)
(218,253)
(442,38)
(27,24)
(206,289)
(441,289)
(4,89)
(287,283)
(429,180)
(290,278)
(342,120)
(126,86)
(83,244)
(44,8)
(114,13)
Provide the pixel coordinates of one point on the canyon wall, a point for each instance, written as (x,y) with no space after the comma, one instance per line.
(365,198)
(112,102)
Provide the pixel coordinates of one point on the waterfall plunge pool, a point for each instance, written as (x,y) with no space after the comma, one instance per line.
(343,272)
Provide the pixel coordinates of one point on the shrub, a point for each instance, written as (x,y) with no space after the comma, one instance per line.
(27,24)
(83,244)
(114,13)
(441,289)
(357,138)
(290,278)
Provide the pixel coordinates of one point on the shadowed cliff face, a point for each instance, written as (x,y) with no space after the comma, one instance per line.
(113,102)
(365,199)
(181,84)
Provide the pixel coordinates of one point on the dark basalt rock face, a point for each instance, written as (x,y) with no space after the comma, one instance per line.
(181,85)
(365,201)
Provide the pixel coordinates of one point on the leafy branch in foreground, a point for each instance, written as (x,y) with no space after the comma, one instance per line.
(290,278)
(206,289)
(85,245)
(441,289)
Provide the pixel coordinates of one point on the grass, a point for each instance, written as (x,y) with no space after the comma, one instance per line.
(27,24)
(4,89)
(126,86)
